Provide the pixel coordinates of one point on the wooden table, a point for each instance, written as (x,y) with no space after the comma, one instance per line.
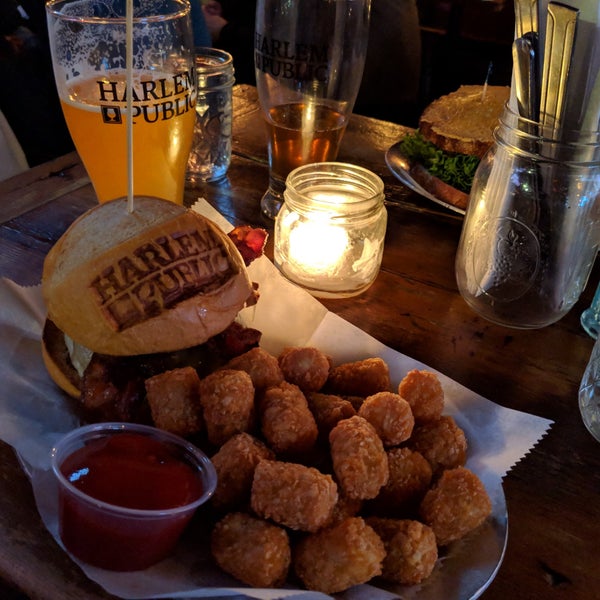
(553,494)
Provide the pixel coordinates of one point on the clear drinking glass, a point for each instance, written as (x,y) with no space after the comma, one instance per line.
(88,40)
(590,317)
(309,57)
(531,230)
(589,393)
(211,147)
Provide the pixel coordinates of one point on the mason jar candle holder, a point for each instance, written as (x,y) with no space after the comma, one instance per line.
(329,235)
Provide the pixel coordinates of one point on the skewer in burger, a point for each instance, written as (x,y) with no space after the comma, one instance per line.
(131,294)
(454,133)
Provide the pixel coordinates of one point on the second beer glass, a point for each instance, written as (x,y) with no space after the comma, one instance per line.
(88,43)
(309,57)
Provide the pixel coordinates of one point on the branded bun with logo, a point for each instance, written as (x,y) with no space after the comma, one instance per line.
(133,293)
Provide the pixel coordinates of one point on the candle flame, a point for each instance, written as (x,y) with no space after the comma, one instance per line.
(317,247)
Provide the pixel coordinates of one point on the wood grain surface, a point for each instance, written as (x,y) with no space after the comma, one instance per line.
(553,494)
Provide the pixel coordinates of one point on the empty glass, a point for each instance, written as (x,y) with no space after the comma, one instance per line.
(211,147)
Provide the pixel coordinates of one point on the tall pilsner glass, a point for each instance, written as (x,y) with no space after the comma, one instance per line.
(309,57)
(88,43)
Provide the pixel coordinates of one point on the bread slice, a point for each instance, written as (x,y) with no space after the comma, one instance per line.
(463,121)
(440,189)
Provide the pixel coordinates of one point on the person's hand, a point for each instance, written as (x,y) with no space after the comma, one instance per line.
(214,21)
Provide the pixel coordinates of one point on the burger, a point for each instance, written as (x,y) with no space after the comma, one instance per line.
(133,293)
(454,133)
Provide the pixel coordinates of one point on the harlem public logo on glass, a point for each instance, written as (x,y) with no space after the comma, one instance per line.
(287,60)
(158,99)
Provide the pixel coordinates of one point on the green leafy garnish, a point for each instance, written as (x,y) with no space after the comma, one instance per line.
(456,170)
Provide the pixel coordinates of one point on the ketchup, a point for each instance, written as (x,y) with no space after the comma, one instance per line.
(133,471)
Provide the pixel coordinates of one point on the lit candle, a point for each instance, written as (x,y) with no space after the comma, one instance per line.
(329,233)
(317,247)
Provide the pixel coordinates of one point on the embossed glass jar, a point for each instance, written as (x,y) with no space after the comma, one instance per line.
(329,234)
(210,155)
(531,230)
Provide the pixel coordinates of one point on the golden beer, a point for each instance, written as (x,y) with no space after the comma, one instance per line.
(163,124)
(301,133)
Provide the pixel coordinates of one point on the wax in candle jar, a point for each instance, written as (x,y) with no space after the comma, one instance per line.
(317,246)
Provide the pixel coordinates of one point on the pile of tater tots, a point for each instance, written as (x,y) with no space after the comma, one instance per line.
(327,477)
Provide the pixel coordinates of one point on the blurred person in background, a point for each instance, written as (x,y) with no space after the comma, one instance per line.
(231,26)
(390,85)
(28,97)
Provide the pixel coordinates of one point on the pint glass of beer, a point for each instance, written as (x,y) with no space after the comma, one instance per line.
(309,57)
(88,40)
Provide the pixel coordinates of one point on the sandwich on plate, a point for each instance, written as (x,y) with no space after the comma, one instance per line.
(454,133)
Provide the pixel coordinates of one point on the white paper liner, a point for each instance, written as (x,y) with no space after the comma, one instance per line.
(34,414)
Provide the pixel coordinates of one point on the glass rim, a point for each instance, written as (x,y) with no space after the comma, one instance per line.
(54,8)
(537,130)
(332,173)
(210,51)
(213,61)
(205,468)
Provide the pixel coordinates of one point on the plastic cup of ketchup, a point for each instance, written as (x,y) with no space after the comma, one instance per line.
(127,492)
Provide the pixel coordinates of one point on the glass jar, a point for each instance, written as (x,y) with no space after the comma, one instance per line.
(329,234)
(531,230)
(590,317)
(589,393)
(210,155)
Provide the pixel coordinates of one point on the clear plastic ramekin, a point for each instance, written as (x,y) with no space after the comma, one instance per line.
(116,537)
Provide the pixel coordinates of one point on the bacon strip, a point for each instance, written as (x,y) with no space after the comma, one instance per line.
(250,241)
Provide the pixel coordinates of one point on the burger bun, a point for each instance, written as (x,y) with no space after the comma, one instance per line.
(156,279)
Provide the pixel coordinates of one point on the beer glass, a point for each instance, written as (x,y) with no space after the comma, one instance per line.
(88,40)
(309,57)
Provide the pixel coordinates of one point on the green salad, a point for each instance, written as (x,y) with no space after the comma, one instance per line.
(456,170)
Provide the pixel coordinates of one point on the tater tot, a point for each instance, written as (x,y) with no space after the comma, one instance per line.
(424,392)
(411,549)
(174,400)
(328,410)
(456,504)
(286,421)
(339,557)
(390,415)
(235,463)
(293,495)
(227,399)
(262,367)
(306,367)
(254,551)
(345,507)
(410,477)
(441,442)
(359,459)
(361,378)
